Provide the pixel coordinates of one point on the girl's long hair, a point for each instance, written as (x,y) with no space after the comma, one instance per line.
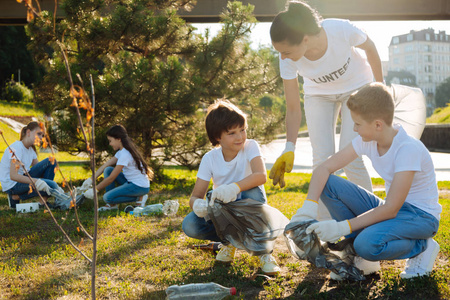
(119,132)
(30,126)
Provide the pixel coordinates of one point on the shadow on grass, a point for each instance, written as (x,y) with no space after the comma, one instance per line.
(316,285)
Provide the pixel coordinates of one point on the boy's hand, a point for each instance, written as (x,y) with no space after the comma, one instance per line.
(330,231)
(200,207)
(284,163)
(307,212)
(225,193)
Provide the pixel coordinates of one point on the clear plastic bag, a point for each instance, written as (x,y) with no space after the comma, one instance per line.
(410,109)
(62,200)
(170,207)
(247,224)
(306,246)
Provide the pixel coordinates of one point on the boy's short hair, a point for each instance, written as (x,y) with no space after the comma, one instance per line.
(222,116)
(374,101)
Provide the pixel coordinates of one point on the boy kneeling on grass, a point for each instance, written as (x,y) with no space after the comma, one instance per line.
(238,172)
(402,225)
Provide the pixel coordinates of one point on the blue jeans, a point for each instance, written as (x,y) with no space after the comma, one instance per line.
(43,170)
(401,237)
(124,191)
(199,228)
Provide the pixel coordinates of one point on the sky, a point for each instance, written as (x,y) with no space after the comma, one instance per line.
(380,32)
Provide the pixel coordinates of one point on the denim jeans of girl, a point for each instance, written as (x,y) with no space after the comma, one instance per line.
(199,228)
(44,170)
(399,238)
(120,190)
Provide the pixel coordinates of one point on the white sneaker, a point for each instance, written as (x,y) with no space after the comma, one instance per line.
(226,253)
(269,265)
(422,264)
(108,207)
(367,266)
(142,200)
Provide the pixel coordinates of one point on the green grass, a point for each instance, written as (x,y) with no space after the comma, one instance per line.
(18,109)
(440,115)
(10,135)
(138,258)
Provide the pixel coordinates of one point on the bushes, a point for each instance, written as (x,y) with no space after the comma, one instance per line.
(16,91)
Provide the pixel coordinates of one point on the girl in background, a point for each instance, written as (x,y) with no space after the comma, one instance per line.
(13,178)
(126,175)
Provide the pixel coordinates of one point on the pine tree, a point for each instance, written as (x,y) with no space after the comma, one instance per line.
(153,73)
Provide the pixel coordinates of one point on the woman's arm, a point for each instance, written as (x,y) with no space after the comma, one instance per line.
(373,59)
(258,176)
(293,109)
(398,191)
(199,191)
(110,179)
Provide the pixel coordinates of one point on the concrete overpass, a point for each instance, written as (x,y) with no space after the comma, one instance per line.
(13,13)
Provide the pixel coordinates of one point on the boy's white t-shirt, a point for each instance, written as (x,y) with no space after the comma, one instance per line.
(26,156)
(341,69)
(405,154)
(213,165)
(130,171)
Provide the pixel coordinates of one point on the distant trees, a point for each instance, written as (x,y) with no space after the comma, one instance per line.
(14,56)
(154,74)
(442,97)
(401,77)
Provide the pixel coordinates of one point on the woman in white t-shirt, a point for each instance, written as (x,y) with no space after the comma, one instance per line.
(324,53)
(22,155)
(128,180)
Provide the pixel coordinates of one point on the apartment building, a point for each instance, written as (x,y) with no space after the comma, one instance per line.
(426,55)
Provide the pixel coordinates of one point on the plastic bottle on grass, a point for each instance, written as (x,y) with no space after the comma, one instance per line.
(199,291)
(149,209)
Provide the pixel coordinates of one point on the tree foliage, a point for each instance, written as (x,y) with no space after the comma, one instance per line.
(442,97)
(14,56)
(16,91)
(153,73)
(401,77)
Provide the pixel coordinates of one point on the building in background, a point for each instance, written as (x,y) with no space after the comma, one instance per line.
(423,54)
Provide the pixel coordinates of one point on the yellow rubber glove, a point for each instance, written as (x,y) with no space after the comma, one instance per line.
(283,164)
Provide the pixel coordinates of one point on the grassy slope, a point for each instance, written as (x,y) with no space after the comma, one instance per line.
(18,109)
(138,258)
(440,115)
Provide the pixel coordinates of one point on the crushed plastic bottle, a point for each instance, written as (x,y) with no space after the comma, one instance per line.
(149,209)
(170,207)
(199,291)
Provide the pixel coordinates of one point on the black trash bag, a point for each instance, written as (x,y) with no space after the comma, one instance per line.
(247,224)
(308,247)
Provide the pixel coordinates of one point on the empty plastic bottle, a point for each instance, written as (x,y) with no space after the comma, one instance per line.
(149,209)
(199,291)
